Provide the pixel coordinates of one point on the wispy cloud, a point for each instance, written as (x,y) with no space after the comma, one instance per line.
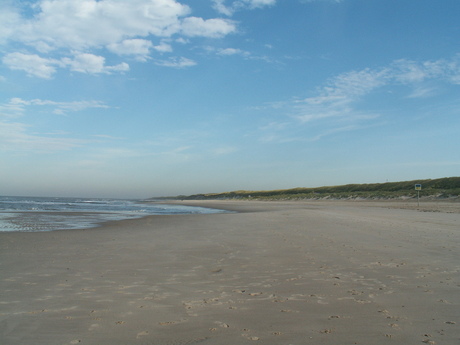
(19,136)
(17,106)
(423,92)
(228,8)
(236,52)
(175,62)
(334,1)
(232,51)
(336,105)
(15,136)
(223,150)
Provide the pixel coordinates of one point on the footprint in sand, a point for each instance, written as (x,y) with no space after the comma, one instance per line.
(142,334)
(334,317)
(222,324)
(247,336)
(166,323)
(93,327)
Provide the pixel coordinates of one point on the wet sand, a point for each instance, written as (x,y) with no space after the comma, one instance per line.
(274,273)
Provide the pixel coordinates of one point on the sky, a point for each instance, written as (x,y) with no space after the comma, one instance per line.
(146,98)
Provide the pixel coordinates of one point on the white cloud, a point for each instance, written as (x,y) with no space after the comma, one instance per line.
(233,6)
(182,40)
(92,64)
(32,64)
(176,62)
(350,86)
(232,51)
(347,86)
(84,24)
(9,22)
(86,63)
(37,66)
(79,25)
(60,28)
(409,72)
(219,6)
(163,47)
(237,52)
(308,1)
(194,26)
(137,46)
(259,3)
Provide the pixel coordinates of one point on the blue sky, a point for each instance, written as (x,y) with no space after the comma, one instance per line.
(146,98)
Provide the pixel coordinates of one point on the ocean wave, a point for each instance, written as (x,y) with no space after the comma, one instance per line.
(85,212)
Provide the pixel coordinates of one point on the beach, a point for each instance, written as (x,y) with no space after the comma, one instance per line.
(303,272)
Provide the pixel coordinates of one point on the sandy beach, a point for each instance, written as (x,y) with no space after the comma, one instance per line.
(271,273)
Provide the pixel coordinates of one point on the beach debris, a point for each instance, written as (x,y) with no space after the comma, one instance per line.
(255,293)
(326,331)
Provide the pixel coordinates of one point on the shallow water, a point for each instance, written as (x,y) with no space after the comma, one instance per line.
(47,214)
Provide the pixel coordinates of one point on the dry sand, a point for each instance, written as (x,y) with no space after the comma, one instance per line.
(275,273)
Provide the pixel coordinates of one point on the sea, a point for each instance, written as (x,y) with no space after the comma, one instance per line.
(32,214)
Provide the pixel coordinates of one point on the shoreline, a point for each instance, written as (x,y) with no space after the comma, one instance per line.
(441,205)
(270,273)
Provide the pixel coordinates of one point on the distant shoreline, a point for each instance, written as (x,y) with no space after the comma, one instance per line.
(439,205)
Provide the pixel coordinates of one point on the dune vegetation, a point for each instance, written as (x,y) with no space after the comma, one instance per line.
(442,188)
